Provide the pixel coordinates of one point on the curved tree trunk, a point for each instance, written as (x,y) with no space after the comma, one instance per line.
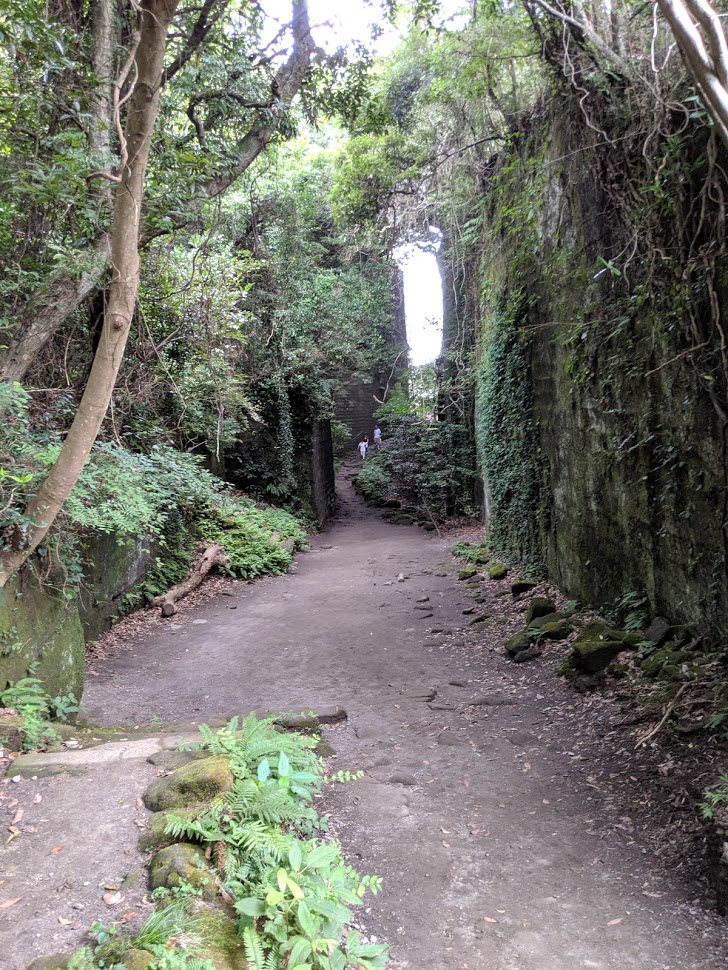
(53,303)
(154,19)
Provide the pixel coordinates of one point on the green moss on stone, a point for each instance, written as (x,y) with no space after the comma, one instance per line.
(154,837)
(200,781)
(49,629)
(179,864)
(216,929)
(497,570)
(467,573)
(138,960)
(556,630)
(523,586)
(539,606)
(57,961)
(518,643)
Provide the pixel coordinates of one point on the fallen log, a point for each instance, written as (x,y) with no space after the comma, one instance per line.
(212,556)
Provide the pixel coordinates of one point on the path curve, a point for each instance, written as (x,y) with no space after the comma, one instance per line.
(489,842)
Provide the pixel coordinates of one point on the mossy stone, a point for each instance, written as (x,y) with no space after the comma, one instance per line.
(540,621)
(200,781)
(539,606)
(216,928)
(633,638)
(182,863)
(48,627)
(556,630)
(665,663)
(483,624)
(154,838)
(497,570)
(57,961)
(595,648)
(467,573)
(519,642)
(171,760)
(479,619)
(523,586)
(138,960)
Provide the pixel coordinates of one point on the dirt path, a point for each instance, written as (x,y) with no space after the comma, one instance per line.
(492,840)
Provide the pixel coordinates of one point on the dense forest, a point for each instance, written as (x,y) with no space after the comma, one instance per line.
(202,210)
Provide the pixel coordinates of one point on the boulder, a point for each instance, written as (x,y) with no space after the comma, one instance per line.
(138,960)
(154,838)
(518,643)
(182,863)
(658,631)
(57,961)
(539,606)
(216,928)
(171,760)
(523,586)
(525,655)
(467,573)
(665,663)
(498,570)
(555,630)
(540,621)
(595,648)
(200,781)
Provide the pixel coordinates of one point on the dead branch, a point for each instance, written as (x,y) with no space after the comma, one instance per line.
(213,555)
(668,711)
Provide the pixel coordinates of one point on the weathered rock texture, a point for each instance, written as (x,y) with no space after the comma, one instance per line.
(600,442)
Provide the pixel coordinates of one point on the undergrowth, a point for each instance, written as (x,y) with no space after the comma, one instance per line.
(291,889)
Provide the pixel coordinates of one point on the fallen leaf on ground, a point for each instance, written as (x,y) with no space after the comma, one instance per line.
(112,899)
(446,844)
(18,816)
(37,799)
(490,919)
(10,902)
(140,823)
(64,922)
(57,848)
(613,922)
(111,888)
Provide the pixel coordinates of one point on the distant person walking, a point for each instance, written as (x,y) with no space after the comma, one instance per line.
(377,438)
(363,447)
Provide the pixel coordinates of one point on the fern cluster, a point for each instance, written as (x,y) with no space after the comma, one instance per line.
(293,892)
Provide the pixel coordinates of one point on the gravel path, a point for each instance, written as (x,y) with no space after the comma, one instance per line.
(497,851)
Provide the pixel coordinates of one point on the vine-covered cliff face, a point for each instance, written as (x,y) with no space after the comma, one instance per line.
(600,388)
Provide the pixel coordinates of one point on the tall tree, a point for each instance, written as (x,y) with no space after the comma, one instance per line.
(63,289)
(144,69)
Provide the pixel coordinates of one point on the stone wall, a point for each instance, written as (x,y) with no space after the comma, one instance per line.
(620,435)
(42,625)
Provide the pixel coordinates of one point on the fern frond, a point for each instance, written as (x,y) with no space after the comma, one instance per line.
(253,946)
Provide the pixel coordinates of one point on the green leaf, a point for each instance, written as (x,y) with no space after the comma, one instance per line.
(274,897)
(250,906)
(284,765)
(264,770)
(306,920)
(295,857)
(322,856)
(301,951)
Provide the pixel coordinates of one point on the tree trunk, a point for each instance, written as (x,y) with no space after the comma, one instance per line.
(211,557)
(102,121)
(143,106)
(53,303)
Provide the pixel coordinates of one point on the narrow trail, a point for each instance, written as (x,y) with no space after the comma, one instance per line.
(488,838)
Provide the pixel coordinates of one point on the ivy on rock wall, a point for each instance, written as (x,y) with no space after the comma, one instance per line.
(507,438)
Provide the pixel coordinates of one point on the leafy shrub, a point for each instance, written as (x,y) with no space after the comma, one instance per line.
(293,892)
(373,480)
(425,464)
(252,537)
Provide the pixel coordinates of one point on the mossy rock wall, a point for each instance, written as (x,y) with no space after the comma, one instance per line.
(47,627)
(111,570)
(40,623)
(612,469)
